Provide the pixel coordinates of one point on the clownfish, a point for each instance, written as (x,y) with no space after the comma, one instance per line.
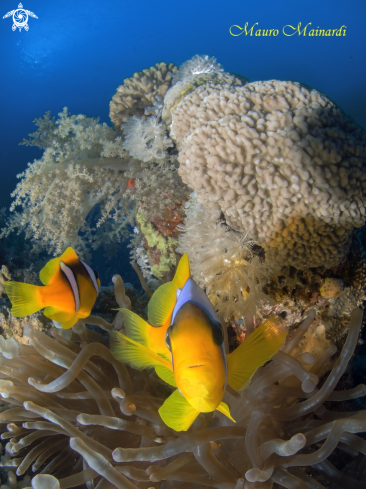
(185,345)
(70,290)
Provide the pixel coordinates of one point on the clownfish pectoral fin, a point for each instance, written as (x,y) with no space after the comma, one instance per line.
(53,266)
(161,305)
(224,409)
(57,315)
(25,298)
(142,332)
(127,350)
(165,374)
(256,350)
(177,413)
(65,320)
(183,272)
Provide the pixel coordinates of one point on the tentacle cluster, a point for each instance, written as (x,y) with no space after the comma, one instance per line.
(77,417)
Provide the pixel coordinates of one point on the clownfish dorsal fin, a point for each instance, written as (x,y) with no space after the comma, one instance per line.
(183,272)
(177,413)
(162,302)
(161,305)
(53,266)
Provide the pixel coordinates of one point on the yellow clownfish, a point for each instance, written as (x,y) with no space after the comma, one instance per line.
(69,293)
(185,345)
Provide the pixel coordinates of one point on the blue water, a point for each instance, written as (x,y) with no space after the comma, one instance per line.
(77,53)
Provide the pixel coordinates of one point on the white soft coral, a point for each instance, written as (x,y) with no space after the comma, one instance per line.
(222,261)
(82,167)
(146,140)
(196,66)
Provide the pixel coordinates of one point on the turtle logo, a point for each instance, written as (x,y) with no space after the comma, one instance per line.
(20,18)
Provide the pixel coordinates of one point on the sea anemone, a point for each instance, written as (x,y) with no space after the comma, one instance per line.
(77,417)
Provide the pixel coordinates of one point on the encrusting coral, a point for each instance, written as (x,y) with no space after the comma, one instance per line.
(283,162)
(140,91)
(77,417)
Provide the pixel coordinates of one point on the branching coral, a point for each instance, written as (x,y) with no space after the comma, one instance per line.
(82,166)
(223,262)
(76,418)
(146,140)
(140,91)
(281,160)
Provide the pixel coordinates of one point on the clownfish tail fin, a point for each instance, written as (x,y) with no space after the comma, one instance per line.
(25,298)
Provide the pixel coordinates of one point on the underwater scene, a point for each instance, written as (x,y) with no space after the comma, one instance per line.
(183,245)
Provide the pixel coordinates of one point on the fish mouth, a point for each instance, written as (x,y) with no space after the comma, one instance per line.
(195,366)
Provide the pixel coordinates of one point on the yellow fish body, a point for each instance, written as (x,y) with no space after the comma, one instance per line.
(185,345)
(69,292)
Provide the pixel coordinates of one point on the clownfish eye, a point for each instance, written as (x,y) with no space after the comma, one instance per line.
(167,341)
(96,274)
(217,334)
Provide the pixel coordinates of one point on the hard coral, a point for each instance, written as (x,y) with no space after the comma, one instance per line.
(82,166)
(140,91)
(281,160)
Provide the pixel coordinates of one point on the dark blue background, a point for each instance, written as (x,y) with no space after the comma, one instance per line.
(77,52)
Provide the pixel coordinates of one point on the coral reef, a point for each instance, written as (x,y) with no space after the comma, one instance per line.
(282,161)
(77,417)
(82,167)
(140,91)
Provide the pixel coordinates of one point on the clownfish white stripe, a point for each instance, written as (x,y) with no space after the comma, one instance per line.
(73,284)
(92,276)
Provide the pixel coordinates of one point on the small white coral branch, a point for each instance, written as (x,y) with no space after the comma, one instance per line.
(146,140)
(196,66)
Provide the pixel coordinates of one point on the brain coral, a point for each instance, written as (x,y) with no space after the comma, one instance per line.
(140,91)
(282,161)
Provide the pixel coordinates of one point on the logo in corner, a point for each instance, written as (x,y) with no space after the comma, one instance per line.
(20,18)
